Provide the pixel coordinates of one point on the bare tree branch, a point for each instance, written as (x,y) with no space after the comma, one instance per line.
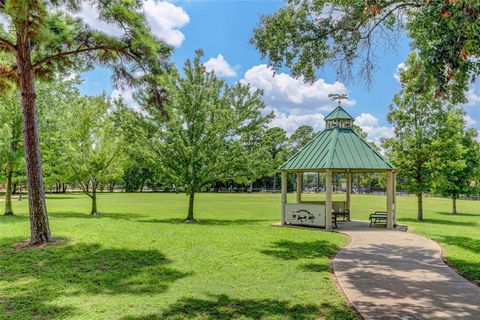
(4,43)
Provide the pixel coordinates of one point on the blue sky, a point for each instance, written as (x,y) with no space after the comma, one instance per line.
(225,27)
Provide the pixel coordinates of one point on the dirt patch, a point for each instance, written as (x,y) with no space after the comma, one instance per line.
(25,244)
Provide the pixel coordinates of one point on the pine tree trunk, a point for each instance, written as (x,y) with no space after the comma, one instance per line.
(94,203)
(190,208)
(420,206)
(274,182)
(8,194)
(454,205)
(39,227)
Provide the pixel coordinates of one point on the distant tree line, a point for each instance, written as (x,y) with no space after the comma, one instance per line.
(214,137)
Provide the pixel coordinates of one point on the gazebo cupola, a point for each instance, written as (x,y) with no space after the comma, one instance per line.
(339,118)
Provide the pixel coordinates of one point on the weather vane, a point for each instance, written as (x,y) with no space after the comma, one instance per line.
(338,96)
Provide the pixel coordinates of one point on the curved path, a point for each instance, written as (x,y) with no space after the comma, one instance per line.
(389,274)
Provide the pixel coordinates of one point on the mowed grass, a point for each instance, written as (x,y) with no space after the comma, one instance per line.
(139,261)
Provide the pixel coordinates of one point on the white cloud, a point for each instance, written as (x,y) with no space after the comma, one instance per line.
(370,124)
(469,121)
(127,95)
(366,120)
(472,97)
(164,18)
(89,15)
(5,21)
(290,123)
(399,69)
(293,96)
(221,67)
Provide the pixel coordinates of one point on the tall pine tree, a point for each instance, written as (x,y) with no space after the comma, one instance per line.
(43,40)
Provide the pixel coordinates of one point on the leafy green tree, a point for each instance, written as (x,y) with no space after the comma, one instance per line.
(205,136)
(254,144)
(303,135)
(11,144)
(306,35)
(140,168)
(138,172)
(276,142)
(55,99)
(415,116)
(93,145)
(44,40)
(360,131)
(458,157)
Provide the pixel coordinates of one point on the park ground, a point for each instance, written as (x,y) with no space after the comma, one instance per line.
(140,261)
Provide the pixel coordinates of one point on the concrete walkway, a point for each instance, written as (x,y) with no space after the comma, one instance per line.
(398,275)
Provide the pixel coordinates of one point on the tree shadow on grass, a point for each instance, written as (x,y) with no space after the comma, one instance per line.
(291,250)
(12,219)
(315,267)
(86,215)
(33,278)
(469,269)
(62,197)
(459,214)
(441,221)
(462,242)
(210,222)
(223,307)
(74,195)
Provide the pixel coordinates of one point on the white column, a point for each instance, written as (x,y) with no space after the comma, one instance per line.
(284,194)
(394,198)
(349,191)
(299,186)
(389,199)
(328,200)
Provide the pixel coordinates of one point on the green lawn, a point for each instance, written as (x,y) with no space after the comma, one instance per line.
(138,261)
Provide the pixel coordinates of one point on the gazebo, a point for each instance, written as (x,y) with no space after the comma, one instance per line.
(337,149)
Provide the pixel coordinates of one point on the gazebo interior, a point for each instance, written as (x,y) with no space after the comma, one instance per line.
(337,149)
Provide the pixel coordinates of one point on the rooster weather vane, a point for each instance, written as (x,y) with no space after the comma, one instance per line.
(338,96)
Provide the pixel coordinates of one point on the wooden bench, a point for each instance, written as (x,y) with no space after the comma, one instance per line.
(378,217)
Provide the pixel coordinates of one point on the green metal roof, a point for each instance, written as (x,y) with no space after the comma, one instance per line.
(337,148)
(338,113)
